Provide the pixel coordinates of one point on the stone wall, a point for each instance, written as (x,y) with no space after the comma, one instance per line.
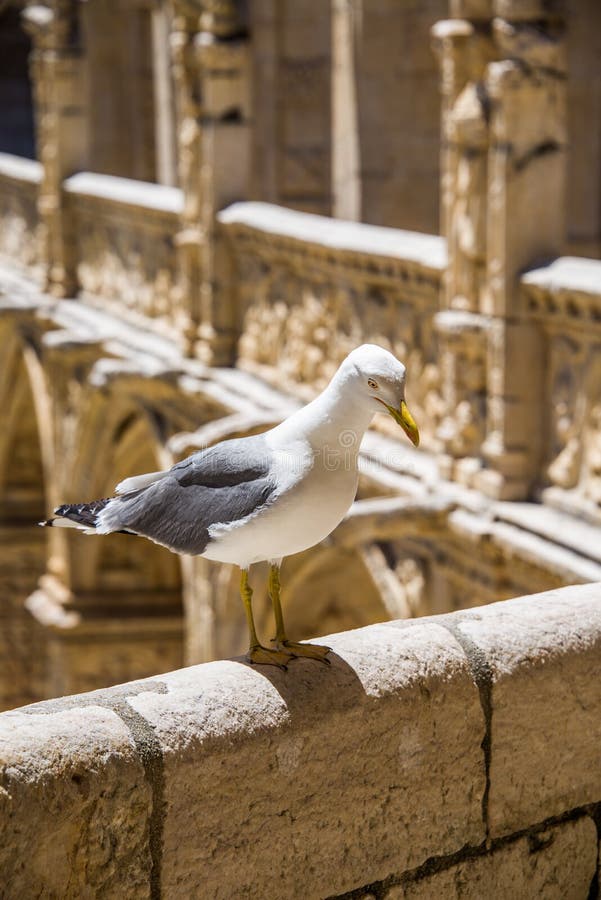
(584,124)
(291,85)
(398,113)
(454,756)
(120,101)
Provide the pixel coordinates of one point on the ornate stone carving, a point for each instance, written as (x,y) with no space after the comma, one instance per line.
(576,424)
(464,52)
(20,232)
(462,342)
(467,219)
(220,18)
(412,584)
(126,255)
(566,417)
(464,49)
(592,455)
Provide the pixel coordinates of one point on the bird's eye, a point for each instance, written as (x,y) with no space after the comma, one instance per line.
(372,384)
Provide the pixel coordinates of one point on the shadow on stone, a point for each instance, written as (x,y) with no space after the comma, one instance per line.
(310,689)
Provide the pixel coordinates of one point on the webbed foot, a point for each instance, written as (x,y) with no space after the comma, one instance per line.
(309,651)
(264,656)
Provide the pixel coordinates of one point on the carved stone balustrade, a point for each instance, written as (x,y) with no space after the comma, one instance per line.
(126,257)
(307,289)
(210,65)
(564,298)
(462,345)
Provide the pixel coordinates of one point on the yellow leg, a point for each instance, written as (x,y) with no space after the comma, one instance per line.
(258,654)
(311,651)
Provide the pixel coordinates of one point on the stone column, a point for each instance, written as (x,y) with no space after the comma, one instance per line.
(449,40)
(166,161)
(346,175)
(58,77)
(184,25)
(525,226)
(221,51)
(464,48)
(210,62)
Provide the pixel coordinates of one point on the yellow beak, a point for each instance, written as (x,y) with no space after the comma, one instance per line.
(403,417)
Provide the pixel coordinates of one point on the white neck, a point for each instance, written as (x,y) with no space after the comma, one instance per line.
(334,419)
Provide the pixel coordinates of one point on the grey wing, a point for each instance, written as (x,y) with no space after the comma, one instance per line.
(224,483)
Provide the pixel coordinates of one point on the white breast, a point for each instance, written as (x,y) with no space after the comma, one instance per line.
(317,497)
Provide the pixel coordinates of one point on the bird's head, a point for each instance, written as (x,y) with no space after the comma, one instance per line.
(379,379)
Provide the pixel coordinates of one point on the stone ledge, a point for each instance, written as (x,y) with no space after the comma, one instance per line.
(126,191)
(74,805)
(427,250)
(567,273)
(421,739)
(18,168)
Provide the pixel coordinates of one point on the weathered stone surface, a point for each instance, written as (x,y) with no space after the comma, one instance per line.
(557,864)
(223,779)
(272,776)
(74,805)
(543,659)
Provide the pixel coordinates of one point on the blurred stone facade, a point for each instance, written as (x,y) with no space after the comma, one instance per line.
(171,277)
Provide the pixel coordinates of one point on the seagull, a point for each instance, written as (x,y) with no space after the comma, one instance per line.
(262,497)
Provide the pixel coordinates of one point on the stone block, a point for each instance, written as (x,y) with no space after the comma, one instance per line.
(557,864)
(74,806)
(542,657)
(375,761)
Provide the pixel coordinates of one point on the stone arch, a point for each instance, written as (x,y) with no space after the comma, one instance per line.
(133,563)
(21,459)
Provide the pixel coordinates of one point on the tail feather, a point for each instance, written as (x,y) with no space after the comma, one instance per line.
(77,515)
